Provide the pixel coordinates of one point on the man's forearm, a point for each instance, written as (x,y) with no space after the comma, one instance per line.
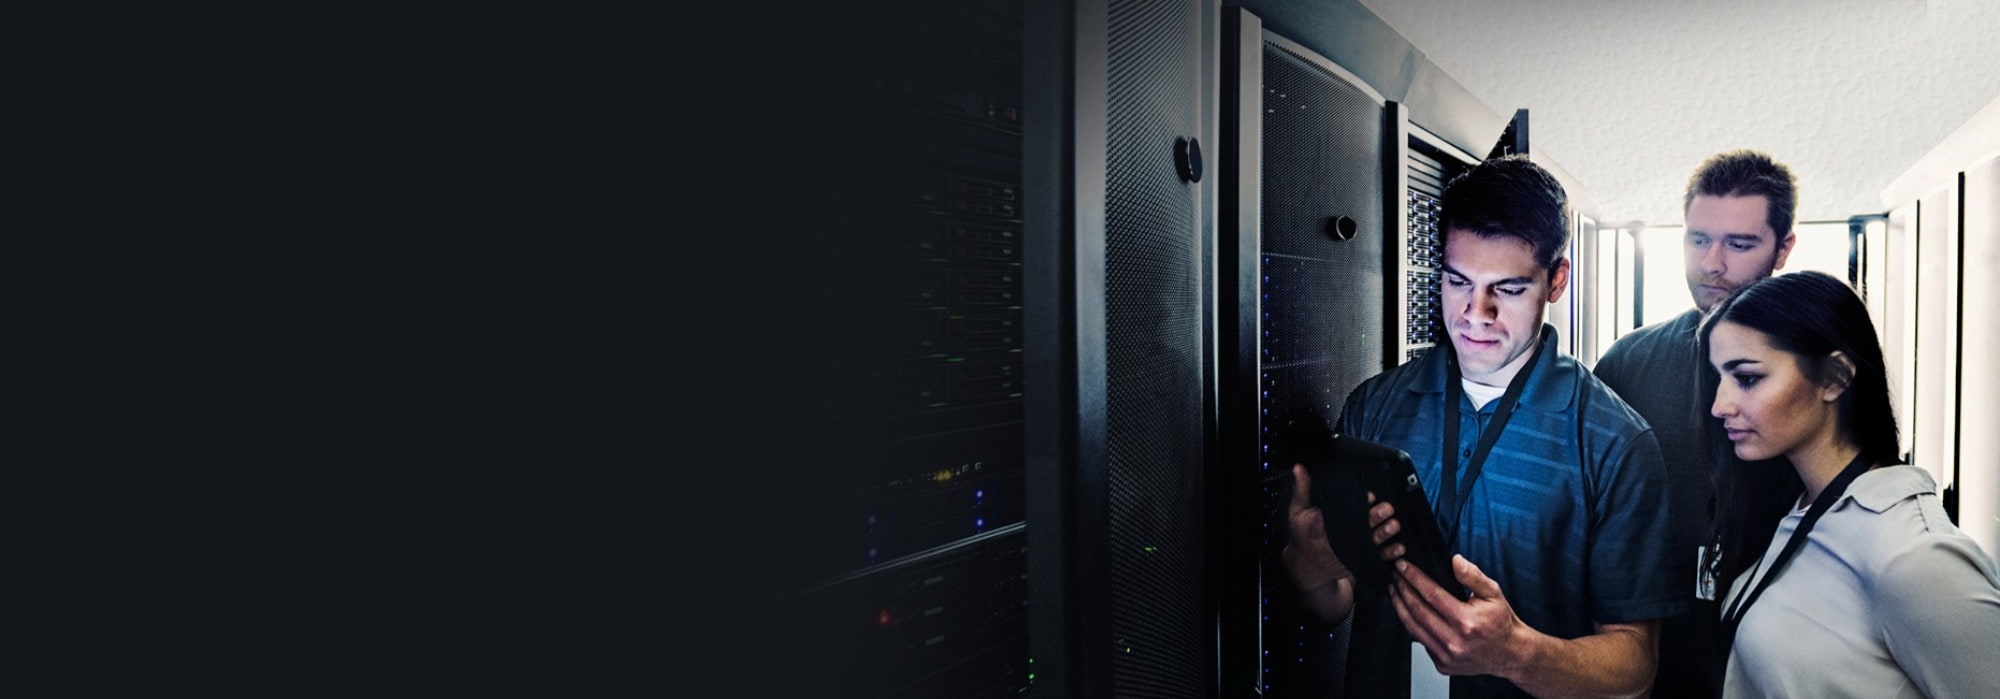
(1617,661)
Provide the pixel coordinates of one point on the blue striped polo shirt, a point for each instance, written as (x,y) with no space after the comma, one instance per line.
(1570,511)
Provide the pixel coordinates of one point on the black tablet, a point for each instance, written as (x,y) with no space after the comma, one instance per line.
(1343,469)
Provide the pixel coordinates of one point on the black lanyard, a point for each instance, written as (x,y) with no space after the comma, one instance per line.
(1450,501)
(1734,616)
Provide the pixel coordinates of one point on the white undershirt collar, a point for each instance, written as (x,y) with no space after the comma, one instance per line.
(1480,393)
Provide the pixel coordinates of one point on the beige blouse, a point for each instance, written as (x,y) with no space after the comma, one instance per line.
(1886,599)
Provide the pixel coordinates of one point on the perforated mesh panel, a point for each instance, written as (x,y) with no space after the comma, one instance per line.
(1322,326)
(1153,354)
(1313,319)
(1322,160)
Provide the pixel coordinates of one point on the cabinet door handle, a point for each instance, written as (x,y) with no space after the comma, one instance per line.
(1340,227)
(1187,158)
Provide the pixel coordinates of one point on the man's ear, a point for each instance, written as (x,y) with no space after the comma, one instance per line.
(1839,373)
(1559,280)
(1784,250)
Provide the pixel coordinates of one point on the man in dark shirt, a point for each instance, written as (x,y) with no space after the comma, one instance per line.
(1738,207)
(1559,516)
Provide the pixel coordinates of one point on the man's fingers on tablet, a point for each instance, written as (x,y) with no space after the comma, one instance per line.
(1386,530)
(1380,513)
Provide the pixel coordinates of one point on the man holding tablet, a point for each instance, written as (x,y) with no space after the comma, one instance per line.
(1546,484)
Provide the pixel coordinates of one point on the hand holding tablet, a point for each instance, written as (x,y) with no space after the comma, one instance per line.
(1341,471)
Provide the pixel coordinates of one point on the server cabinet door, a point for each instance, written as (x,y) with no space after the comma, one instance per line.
(1119,592)
(1306,240)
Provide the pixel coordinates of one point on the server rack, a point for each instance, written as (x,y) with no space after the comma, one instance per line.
(1428,163)
(914,547)
(1305,251)
(1013,254)
(1120,415)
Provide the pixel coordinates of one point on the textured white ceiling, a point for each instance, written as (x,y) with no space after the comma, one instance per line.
(1630,96)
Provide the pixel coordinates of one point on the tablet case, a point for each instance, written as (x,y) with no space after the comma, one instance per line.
(1343,469)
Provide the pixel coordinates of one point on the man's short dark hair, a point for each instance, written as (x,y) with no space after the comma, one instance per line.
(1742,173)
(1510,196)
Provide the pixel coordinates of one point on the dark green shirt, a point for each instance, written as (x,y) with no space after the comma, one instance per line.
(1657,370)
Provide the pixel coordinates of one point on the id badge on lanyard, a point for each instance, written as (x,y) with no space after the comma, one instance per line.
(1707,562)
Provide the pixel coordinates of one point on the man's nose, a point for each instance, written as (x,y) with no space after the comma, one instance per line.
(1711,261)
(1481,307)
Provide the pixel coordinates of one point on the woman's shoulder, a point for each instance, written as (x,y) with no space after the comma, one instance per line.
(1932,575)
(1910,538)
(1893,487)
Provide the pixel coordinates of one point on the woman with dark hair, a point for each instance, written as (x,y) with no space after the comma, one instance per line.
(1843,575)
